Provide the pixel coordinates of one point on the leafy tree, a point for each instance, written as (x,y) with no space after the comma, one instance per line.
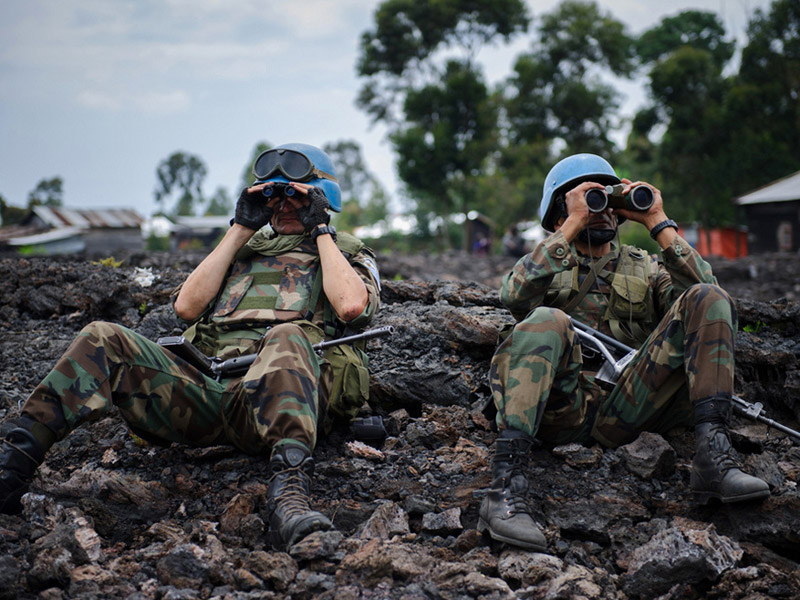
(219,204)
(763,107)
(180,175)
(422,82)
(48,192)
(364,200)
(397,55)
(686,55)
(556,103)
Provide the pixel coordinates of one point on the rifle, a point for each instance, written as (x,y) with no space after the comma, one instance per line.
(232,367)
(612,368)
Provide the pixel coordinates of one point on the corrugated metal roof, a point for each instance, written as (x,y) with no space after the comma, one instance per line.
(46,237)
(782,190)
(88,218)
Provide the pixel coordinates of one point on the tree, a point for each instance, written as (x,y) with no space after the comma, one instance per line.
(398,54)
(180,175)
(48,192)
(556,102)
(364,200)
(763,107)
(686,55)
(219,204)
(440,118)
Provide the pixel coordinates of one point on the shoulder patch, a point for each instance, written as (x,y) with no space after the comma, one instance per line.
(372,267)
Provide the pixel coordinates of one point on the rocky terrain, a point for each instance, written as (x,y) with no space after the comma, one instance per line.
(111,517)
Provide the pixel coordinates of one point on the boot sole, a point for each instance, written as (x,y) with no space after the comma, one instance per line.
(483,526)
(706,497)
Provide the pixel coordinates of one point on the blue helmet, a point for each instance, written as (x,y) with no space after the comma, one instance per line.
(566,174)
(303,163)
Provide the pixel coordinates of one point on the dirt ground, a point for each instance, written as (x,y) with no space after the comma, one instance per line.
(110,517)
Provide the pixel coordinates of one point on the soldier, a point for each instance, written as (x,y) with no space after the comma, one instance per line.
(274,292)
(682,323)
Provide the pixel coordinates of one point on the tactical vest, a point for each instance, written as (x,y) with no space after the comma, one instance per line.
(630,311)
(262,290)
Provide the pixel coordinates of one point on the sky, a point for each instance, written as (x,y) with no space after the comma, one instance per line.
(99,92)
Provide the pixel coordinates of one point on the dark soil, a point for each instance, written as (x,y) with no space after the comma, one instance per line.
(111,517)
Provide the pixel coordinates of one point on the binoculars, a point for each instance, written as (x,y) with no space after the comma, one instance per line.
(640,198)
(278,189)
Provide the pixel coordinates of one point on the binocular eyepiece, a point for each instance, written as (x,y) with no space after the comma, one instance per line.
(278,189)
(640,198)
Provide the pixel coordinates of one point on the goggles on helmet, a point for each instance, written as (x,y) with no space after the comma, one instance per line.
(292,164)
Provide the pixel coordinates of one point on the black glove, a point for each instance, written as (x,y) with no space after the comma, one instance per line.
(316,212)
(252,211)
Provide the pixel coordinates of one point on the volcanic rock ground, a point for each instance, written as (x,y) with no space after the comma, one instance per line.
(110,517)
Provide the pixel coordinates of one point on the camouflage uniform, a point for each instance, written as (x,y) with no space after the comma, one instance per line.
(263,307)
(540,384)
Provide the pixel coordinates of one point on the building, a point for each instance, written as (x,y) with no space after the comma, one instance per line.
(59,230)
(772,214)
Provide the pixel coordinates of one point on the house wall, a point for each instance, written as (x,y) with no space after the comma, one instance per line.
(107,241)
(773,227)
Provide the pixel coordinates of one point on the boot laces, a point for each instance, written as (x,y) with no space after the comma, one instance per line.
(6,441)
(293,498)
(722,453)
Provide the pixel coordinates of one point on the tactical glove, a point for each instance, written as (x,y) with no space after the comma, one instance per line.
(252,211)
(316,212)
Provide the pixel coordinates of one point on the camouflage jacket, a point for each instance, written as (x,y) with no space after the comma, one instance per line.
(262,289)
(526,286)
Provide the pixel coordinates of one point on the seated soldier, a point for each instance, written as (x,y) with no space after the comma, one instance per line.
(682,323)
(271,292)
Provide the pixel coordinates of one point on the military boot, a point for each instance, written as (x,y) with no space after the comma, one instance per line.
(22,449)
(504,512)
(716,471)
(288,505)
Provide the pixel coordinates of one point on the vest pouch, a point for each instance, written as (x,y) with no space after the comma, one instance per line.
(629,297)
(233,294)
(350,388)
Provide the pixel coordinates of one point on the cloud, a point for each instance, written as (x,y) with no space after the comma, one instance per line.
(147,102)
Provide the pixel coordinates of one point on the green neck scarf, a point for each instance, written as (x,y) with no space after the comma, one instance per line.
(268,243)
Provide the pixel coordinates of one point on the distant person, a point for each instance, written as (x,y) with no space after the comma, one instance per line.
(513,243)
(544,386)
(480,246)
(274,291)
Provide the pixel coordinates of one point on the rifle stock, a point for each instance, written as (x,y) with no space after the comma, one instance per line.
(238,365)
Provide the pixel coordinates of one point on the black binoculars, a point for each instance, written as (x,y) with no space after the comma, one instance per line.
(639,198)
(278,189)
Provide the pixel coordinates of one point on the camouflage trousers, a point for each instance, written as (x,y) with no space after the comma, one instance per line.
(165,399)
(540,387)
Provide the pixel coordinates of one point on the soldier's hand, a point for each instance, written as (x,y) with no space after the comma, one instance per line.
(252,210)
(316,213)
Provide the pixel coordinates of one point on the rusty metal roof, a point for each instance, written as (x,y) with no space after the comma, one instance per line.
(88,218)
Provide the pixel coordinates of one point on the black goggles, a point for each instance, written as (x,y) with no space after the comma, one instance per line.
(292,164)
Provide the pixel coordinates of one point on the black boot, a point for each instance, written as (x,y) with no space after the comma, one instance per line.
(21,452)
(288,507)
(504,511)
(716,471)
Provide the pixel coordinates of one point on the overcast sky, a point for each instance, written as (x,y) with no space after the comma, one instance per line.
(99,92)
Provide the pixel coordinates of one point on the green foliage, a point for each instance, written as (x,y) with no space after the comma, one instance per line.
(398,53)
(11,215)
(109,261)
(754,327)
(691,28)
(48,192)
(143,309)
(219,204)
(180,175)
(157,243)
